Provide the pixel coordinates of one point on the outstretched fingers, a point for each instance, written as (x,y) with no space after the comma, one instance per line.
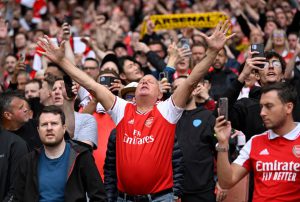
(224,25)
(230,36)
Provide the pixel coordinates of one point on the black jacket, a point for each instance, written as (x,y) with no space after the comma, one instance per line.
(12,149)
(220,80)
(83,177)
(195,133)
(110,173)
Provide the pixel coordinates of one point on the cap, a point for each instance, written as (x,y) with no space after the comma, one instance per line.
(110,58)
(128,88)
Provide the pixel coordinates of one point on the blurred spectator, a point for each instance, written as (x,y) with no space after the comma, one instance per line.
(278,42)
(9,67)
(198,52)
(293,40)
(22,79)
(130,69)
(219,76)
(32,89)
(91,67)
(81,127)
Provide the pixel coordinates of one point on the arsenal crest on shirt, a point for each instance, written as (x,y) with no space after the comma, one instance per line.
(296,151)
(149,122)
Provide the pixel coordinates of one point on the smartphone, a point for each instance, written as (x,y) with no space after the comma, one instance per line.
(184,43)
(163,75)
(260,49)
(68,85)
(23,56)
(223,107)
(106,80)
(67,19)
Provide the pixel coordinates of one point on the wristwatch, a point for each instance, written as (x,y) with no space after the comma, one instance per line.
(221,149)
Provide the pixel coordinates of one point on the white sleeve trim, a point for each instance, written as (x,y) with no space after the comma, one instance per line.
(170,111)
(117,110)
(244,154)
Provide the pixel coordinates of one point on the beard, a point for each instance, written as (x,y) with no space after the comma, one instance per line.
(52,143)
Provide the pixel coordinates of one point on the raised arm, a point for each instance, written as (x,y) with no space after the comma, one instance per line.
(228,174)
(215,43)
(57,55)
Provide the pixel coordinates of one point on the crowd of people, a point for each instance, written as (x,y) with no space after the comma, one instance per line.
(97,104)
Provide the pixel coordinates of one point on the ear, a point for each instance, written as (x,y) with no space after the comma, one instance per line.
(64,128)
(7,115)
(122,76)
(289,107)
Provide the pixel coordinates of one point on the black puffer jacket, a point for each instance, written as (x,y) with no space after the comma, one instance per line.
(110,173)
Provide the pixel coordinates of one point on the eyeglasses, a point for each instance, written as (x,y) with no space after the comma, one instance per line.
(275,64)
(129,97)
(89,68)
(277,35)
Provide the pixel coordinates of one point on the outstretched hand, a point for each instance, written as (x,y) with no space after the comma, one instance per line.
(51,51)
(218,39)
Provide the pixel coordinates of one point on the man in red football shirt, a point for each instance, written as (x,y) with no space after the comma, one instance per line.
(273,156)
(145,129)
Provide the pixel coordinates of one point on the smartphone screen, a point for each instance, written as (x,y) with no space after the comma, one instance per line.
(223,107)
(184,43)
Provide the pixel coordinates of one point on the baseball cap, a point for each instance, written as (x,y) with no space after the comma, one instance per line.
(128,88)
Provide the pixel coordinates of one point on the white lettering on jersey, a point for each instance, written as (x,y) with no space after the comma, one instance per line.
(284,171)
(277,166)
(137,139)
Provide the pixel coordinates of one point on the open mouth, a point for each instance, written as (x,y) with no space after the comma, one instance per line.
(271,74)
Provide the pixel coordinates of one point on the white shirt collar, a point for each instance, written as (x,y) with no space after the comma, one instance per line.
(292,135)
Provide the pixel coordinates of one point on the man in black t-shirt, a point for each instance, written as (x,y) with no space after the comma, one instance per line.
(16,117)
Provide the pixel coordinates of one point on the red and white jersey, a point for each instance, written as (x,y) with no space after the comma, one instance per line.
(144,146)
(275,162)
